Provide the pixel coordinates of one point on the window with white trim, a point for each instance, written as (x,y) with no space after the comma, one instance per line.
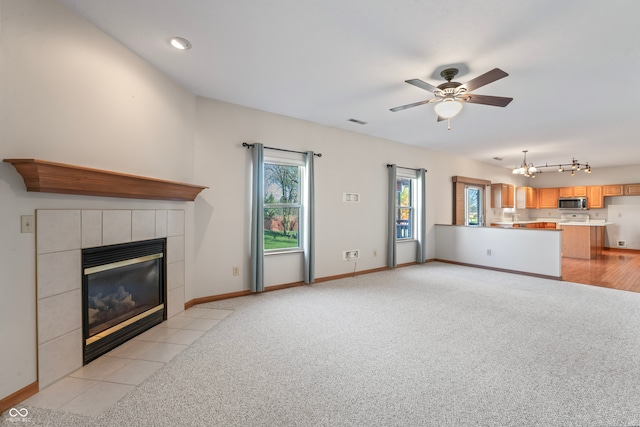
(405,206)
(283,184)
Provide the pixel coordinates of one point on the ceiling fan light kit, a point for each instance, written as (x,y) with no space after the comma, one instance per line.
(448,108)
(449,96)
(529,170)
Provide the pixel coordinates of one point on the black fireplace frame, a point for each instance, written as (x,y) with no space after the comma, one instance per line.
(92,257)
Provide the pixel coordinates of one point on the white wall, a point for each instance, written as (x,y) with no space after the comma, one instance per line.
(599,176)
(524,250)
(350,162)
(624,212)
(71,94)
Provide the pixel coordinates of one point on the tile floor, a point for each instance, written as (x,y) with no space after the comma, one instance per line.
(97,386)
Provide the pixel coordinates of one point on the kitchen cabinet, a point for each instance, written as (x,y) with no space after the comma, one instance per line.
(521,197)
(565,192)
(525,224)
(595,199)
(526,198)
(502,196)
(532,199)
(582,242)
(579,191)
(548,198)
(612,190)
(632,190)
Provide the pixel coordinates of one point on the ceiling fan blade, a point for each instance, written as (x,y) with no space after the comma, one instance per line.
(496,101)
(415,104)
(422,85)
(485,79)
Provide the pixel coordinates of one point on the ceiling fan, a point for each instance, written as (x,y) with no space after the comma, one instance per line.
(450,95)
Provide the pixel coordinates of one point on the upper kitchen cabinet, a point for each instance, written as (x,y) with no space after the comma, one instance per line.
(532,198)
(580,191)
(632,190)
(595,198)
(612,190)
(548,198)
(502,196)
(526,198)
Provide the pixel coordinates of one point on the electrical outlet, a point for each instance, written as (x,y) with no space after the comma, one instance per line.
(350,255)
(488,251)
(236,271)
(350,197)
(375,253)
(26,224)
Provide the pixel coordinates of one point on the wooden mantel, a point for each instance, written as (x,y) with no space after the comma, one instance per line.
(50,177)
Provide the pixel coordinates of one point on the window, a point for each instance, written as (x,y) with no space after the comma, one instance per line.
(469,200)
(405,212)
(282,205)
(473,205)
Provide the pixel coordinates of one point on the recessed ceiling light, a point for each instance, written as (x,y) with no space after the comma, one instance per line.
(180,43)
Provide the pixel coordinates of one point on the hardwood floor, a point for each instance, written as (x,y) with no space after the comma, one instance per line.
(617,269)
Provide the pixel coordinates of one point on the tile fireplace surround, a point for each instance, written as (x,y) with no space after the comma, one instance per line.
(61,236)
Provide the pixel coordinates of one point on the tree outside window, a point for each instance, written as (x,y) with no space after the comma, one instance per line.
(281,206)
(404,207)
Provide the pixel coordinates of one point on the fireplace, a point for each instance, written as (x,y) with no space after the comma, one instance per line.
(123,293)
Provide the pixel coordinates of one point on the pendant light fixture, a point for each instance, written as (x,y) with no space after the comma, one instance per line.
(526,169)
(529,170)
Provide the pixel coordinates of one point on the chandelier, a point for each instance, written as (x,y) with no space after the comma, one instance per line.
(526,169)
(529,170)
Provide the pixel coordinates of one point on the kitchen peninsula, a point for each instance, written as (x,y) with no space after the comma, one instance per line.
(582,238)
(529,251)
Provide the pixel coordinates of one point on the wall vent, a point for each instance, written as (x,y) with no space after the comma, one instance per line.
(360,122)
(622,243)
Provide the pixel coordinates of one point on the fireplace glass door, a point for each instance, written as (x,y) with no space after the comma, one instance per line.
(118,293)
(123,293)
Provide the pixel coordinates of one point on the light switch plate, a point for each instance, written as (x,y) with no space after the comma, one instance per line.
(27,224)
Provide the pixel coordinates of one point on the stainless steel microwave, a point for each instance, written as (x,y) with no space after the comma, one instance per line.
(579,203)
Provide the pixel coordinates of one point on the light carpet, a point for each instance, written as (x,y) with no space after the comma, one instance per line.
(426,345)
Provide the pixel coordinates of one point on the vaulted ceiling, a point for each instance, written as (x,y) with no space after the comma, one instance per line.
(573,65)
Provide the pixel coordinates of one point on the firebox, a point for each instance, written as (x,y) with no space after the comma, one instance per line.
(123,293)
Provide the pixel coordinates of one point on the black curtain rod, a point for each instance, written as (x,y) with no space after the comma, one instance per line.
(402,167)
(245,144)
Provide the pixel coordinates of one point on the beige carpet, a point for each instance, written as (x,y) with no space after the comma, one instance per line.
(428,345)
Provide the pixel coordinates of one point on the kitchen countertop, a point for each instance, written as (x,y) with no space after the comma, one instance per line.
(592,223)
(586,223)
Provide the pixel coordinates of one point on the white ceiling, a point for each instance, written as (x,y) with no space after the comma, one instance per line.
(574,67)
